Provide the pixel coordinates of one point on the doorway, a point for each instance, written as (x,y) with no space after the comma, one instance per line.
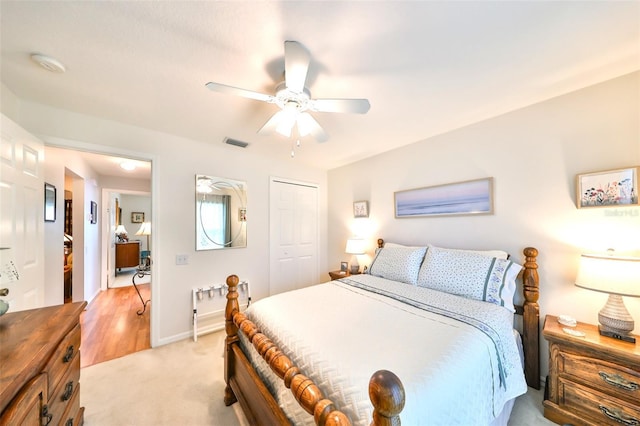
(293,235)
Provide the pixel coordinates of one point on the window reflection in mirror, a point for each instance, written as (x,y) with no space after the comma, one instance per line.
(221,213)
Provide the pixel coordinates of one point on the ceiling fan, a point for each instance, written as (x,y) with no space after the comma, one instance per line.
(294,99)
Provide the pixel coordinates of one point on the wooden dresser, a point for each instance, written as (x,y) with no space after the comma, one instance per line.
(127,254)
(593,380)
(40,366)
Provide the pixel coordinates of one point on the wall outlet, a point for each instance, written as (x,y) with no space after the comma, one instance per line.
(182,259)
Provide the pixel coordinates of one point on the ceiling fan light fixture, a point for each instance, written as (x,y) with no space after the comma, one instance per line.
(305,123)
(288,117)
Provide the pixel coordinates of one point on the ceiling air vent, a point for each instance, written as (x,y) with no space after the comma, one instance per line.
(236,142)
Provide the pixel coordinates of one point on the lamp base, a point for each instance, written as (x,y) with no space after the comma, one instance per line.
(616,335)
(615,320)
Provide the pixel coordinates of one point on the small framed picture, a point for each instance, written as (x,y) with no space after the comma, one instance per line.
(137,217)
(361,209)
(94,212)
(343,266)
(612,188)
(49,203)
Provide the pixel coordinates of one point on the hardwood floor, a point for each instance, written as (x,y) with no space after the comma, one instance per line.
(111,327)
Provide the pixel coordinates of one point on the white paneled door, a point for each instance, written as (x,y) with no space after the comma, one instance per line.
(21,217)
(293,235)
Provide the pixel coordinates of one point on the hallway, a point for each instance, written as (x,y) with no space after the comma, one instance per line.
(111,327)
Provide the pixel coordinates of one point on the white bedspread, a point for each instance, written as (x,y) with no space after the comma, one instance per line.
(454,372)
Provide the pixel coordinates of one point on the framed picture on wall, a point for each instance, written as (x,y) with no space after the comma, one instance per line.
(460,198)
(137,217)
(49,203)
(361,209)
(94,212)
(611,188)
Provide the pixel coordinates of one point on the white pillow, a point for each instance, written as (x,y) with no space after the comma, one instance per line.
(398,263)
(470,274)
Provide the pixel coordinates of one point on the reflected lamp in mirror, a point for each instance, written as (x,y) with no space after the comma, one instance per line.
(355,246)
(121,234)
(617,276)
(216,226)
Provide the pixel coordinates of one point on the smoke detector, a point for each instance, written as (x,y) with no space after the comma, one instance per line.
(48,63)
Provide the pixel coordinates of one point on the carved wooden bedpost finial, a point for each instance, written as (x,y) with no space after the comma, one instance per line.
(231,329)
(232,305)
(387,396)
(531,314)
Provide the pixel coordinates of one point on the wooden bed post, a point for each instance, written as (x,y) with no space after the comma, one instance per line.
(387,396)
(531,318)
(232,335)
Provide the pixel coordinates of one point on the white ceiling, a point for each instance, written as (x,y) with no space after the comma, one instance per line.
(426,67)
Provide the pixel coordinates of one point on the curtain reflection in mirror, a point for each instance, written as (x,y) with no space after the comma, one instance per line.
(216,226)
(215,217)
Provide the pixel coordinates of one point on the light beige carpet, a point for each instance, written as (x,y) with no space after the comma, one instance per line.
(182,384)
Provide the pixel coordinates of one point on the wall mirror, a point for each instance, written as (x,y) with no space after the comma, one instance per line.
(221,213)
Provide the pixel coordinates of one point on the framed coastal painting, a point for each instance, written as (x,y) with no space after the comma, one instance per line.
(460,198)
(611,188)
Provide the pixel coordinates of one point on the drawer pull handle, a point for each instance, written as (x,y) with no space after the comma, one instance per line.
(68,355)
(619,381)
(68,391)
(45,417)
(618,416)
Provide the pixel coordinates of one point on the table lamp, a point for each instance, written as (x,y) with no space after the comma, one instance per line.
(121,233)
(145,229)
(617,276)
(355,246)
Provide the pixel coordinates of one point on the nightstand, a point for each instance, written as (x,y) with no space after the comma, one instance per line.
(593,380)
(340,274)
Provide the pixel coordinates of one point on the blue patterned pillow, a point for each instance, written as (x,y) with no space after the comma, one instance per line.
(469,274)
(398,263)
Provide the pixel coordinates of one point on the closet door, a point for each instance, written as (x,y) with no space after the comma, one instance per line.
(293,235)
(22,217)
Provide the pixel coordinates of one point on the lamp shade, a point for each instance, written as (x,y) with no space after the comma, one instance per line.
(610,274)
(355,246)
(120,229)
(145,229)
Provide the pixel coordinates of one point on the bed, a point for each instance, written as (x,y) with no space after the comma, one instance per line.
(334,353)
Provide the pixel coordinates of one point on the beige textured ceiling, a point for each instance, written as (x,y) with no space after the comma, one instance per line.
(426,67)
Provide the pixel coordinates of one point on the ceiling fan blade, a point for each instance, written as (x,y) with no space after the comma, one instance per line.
(354,106)
(296,65)
(230,90)
(307,125)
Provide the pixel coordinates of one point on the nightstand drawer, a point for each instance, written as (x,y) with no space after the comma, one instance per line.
(610,378)
(596,407)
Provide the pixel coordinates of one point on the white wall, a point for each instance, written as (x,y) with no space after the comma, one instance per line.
(533,154)
(86,243)
(175,162)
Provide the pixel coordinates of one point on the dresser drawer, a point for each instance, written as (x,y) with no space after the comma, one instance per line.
(58,364)
(64,392)
(595,407)
(72,416)
(610,378)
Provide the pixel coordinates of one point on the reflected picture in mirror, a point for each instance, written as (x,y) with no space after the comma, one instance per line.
(218,226)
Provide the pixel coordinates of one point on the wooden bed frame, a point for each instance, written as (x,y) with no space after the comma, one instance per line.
(385,388)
